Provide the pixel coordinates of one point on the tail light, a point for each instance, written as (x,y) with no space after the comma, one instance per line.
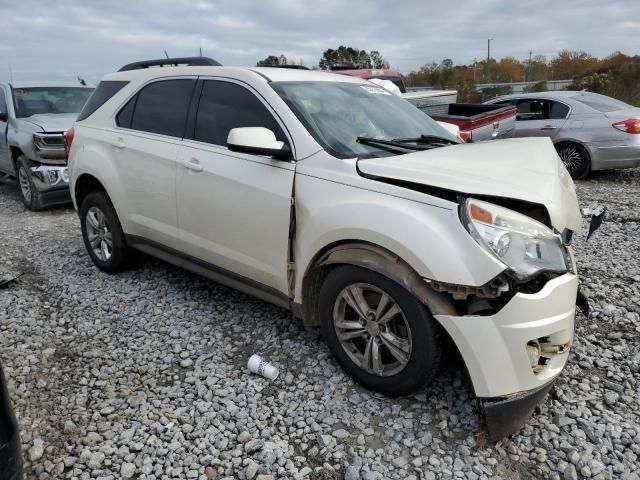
(466,135)
(631,125)
(68,140)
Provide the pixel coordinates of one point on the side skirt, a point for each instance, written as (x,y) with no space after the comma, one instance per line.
(210,271)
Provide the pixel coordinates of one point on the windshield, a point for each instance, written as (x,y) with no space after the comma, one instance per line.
(39,100)
(337,114)
(601,103)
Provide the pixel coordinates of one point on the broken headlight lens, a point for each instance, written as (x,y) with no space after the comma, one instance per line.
(524,245)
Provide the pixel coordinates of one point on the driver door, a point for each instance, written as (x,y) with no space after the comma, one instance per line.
(234,208)
(540,118)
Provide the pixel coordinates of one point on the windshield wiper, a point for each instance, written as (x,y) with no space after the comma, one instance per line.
(390,145)
(427,139)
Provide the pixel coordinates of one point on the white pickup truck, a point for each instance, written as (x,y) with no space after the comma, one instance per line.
(327,195)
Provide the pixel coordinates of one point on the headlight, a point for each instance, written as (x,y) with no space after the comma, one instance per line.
(521,243)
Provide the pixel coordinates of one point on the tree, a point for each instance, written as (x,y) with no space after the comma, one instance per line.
(376,60)
(570,64)
(351,57)
(273,61)
(508,69)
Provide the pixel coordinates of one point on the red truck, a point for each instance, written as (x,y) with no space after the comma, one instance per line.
(477,122)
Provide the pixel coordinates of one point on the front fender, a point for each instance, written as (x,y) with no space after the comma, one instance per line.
(428,237)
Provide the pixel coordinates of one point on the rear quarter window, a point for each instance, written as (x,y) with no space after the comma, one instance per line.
(106,89)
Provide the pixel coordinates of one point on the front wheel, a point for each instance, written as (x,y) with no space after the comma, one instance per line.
(575,159)
(102,234)
(380,334)
(30,195)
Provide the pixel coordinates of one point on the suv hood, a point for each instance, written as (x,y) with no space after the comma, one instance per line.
(53,122)
(527,169)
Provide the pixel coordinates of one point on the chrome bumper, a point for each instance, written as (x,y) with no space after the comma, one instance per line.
(48,177)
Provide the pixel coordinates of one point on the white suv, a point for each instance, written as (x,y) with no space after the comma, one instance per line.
(329,196)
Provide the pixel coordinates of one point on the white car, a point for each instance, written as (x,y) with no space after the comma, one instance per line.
(329,196)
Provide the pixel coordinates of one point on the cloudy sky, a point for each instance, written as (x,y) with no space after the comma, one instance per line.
(60,39)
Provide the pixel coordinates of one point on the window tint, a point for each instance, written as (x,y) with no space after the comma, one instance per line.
(530,110)
(100,95)
(558,110)
(225,105)
(162,107)
(503,103)
(123,119)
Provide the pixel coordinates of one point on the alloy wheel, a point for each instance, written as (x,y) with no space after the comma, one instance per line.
(572,159)
(372,329)
(99,234)
(25,184)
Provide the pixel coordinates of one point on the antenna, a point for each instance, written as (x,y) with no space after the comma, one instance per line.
(166,54)
(10,72)
(200,51)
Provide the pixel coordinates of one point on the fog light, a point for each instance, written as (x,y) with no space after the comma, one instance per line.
(533,351)
(65,175)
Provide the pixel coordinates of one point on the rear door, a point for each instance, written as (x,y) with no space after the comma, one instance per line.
(234,208)
(539,117)
(145,146)
(5,154)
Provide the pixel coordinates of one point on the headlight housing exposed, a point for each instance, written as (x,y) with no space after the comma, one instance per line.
(524,245)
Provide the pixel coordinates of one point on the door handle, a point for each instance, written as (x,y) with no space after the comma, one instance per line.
(193,164)
(548,127)
(118,144)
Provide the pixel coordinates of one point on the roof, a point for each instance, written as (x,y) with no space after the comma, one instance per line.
(370,73)
(44,83)
(269,73)
(549,94)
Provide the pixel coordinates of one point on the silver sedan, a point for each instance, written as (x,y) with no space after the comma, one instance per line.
(590,131)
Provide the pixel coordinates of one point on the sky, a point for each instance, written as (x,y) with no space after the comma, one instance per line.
(63,39)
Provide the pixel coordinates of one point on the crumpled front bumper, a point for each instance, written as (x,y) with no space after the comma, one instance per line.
(494,348)
(50,177)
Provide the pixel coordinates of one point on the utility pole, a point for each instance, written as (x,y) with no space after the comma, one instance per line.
(488,56)
(530,71)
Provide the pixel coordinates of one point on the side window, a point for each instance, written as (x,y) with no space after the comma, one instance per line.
(125,115)
(3,103)
(226,105)
(106,89)
(160,107)
(558,110)
(530,109)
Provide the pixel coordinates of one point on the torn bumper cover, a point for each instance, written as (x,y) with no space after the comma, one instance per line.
(514,356)
(502,417)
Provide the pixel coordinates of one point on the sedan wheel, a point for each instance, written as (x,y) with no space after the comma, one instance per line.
(372,329)
(575,159)
(99,234)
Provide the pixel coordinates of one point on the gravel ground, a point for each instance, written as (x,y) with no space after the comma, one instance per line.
(142,375)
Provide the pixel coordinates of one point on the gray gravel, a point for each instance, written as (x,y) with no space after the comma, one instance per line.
(142,375)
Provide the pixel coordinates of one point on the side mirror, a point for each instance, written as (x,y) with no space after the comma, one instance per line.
(4,117)
(257,141)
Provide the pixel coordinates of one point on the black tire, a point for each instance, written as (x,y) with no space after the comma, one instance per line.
(575,158)
(118,256)
(425,333)
(29,194)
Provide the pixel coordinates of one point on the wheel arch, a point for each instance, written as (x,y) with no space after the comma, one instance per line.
(84,185)
(372,257)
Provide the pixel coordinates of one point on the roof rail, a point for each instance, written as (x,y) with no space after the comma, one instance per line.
(173,62)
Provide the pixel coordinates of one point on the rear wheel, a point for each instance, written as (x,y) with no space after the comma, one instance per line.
(30,195)
(380,333)
(575,159)
(102,234)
